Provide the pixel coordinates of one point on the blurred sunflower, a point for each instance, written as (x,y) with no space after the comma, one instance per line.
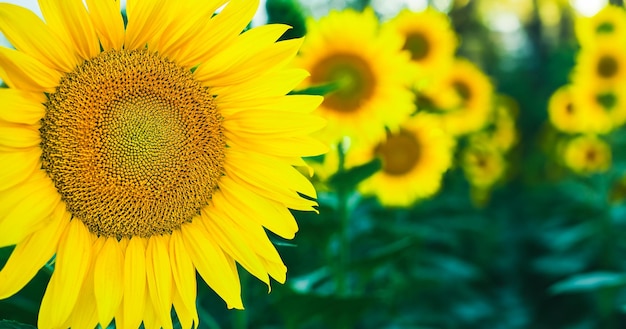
(141,154)
(608,25)
(429,38)
(602,107)
(465,97)
(587,154)
(504,134)
(367,69)
(414,160)
(562,113)
(605,62)
(482,163)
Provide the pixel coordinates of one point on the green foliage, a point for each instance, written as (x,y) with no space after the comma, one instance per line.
(287,12)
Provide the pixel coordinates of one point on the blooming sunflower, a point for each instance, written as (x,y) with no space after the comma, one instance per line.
(562,113)
(483,164)
(602,107)
(468,93)
(141,153)
(429,38)
(587,154)
(414,160)
(608,25)
(605,62)
(365,64)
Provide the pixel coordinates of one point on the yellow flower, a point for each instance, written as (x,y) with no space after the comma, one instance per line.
(562,113)
(483,165)
(504,134)
(603,62)
(142,154)
(587,154)
(429,38)
(608,25)
(366,64)
(414,160)
(602,107)
(464,96)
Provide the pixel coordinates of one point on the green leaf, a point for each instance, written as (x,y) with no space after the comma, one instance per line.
(350,178)
(589,282)
(6,324)
(320,90)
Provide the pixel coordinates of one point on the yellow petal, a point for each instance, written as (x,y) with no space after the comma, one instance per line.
(246,236)
(180,33)
(69,19)
(274,216)
(289,103)
(220,227)
(220,31)
(277,83)
(279,147)
(265,172)
(108,22)
(252,123)
(227,67)
(72,263)
(25,208)
(108,280)
(159,275)
(24,72)
(85,314)
(28,34)
(145,19)
(20,106)
(18,166)
(184,274)
(212,264)
(150,318)
(32,253)
(134,302)
(19,135)
(186,317)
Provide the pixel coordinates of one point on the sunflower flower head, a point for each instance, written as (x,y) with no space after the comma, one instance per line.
(366,67)
(429,38)
(142,153)
(464,96)
(607,25)
(587,154)
(562,113)
(602,106)
(414,160)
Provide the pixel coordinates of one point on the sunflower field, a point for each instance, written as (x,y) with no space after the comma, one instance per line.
(313,164)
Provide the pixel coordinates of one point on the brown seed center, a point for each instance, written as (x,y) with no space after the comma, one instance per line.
(133,143)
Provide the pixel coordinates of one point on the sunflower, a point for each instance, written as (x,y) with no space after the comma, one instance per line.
(587,154)
(483,164)
(368,70)
(414,160)
(141,153)
(562,113)
(464,96)
(602,107)
(605,62)
(503,133)
(429,38)
(608,25)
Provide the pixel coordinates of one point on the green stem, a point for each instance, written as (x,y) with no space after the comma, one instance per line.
(344,222)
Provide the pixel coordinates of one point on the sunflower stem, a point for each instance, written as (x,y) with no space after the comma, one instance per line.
(344,222)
